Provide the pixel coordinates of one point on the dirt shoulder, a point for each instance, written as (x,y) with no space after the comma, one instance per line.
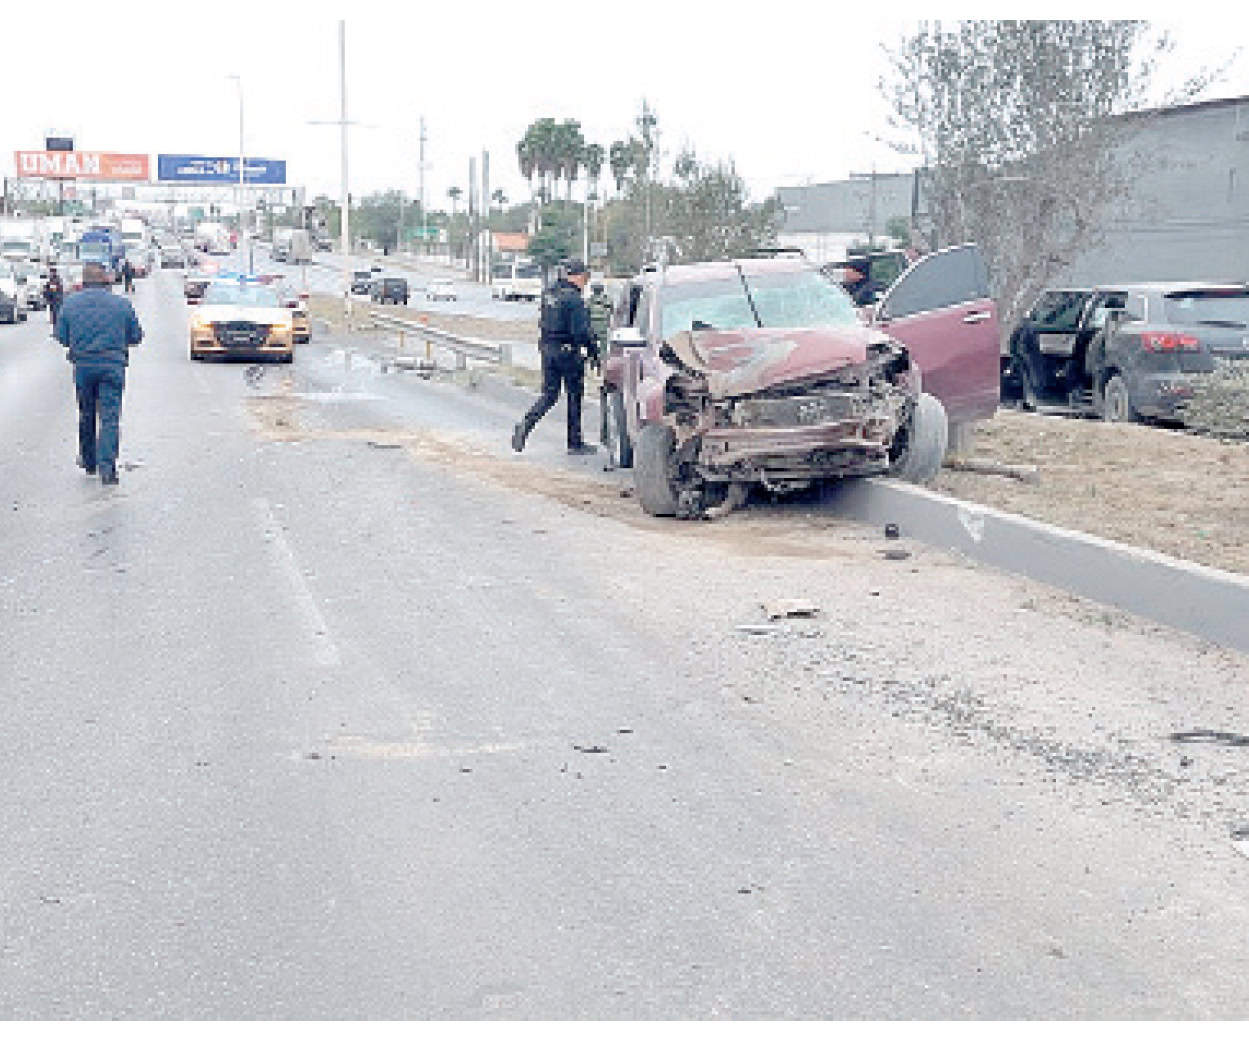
(1175,492)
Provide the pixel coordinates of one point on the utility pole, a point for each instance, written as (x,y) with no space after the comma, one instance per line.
(342,122)
(470,251)
(486,243)
(422,172)
(871,204)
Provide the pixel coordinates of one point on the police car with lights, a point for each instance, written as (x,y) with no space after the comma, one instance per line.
(242,317)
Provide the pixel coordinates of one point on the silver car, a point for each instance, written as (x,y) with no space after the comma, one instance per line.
(1156,337)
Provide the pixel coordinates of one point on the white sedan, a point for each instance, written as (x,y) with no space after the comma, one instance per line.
(441,289)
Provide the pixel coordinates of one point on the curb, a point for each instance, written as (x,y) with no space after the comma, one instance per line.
(1203,601)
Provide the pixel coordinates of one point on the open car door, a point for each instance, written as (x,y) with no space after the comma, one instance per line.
(941,309)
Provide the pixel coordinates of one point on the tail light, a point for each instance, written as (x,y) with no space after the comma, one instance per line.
(1159,342)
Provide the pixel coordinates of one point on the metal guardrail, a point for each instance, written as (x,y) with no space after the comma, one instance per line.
(416,332)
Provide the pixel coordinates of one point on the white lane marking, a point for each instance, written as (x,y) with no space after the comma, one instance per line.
(325,652)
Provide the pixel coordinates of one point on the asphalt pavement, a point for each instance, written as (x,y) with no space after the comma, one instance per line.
(336,708)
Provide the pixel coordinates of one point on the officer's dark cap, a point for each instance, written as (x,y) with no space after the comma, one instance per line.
(575,267)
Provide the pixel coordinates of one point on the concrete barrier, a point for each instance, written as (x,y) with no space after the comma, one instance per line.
(1207,602)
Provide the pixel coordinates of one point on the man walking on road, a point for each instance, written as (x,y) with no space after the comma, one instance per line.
(98,329)
(565,331)
(127,274)
(54,295)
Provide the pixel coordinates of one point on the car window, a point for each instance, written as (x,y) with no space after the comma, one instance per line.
(241,295)
(1217,307)
(1059,310)
(1105,303)
(940,280)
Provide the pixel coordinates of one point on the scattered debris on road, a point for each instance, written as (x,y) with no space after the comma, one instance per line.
(1027,473)
(790,608)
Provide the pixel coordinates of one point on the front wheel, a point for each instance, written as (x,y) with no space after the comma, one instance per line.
(919,448)
(652,470)
(615,430)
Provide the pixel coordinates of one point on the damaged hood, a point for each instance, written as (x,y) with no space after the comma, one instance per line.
(745,361)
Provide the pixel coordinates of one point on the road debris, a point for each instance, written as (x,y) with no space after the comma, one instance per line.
(895,554)
(1211,736)
(590,749)
(790,608)
(988,467)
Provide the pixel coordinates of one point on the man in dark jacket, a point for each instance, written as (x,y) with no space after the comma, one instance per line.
(565,333)
(858,282)
(127,274)
(54,295)
(98,329)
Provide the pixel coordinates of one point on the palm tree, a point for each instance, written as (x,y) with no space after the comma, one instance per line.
(594,162)
(620,159)
(570,149)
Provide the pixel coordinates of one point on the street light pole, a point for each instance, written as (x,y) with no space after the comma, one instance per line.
(342,122)
(242,174)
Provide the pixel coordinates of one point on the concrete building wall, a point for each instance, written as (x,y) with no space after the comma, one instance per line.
(1187,216)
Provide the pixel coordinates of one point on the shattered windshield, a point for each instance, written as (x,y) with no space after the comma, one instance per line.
(783,299)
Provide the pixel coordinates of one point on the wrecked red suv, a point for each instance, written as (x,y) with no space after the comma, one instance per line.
(733,373)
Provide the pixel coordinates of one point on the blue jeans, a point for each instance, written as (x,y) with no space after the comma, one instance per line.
(99,388)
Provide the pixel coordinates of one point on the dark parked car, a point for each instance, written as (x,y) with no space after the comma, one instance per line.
(9,312)
(389,290)
(361,282)
(726,374)
(1125,352)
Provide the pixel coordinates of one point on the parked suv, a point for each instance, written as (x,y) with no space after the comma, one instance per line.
(1127,352)
(389,290)
(761,371)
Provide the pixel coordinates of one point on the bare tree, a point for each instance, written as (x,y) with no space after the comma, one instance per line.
(1022,129)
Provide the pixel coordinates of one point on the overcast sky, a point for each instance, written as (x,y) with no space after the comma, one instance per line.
(787,91)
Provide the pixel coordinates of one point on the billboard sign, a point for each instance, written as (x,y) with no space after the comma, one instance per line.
(219,169)
(90,166)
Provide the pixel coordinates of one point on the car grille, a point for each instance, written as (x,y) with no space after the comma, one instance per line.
(240,333)
(807,410)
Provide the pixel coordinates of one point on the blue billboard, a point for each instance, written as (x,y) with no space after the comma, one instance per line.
(219,169)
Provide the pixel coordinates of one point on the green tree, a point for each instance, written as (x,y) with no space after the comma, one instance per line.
(1020,128)
(556,239)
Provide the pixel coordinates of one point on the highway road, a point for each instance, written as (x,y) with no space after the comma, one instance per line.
(337,708)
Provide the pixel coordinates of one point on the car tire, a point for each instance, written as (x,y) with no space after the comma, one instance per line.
(615,430)
(287,359)
(919,450)
(1117,401)
(652,470)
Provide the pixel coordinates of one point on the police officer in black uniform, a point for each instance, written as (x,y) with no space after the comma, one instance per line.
(859,283)
(565,333)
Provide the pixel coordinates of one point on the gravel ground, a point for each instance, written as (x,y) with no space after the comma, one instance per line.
(1168,490)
